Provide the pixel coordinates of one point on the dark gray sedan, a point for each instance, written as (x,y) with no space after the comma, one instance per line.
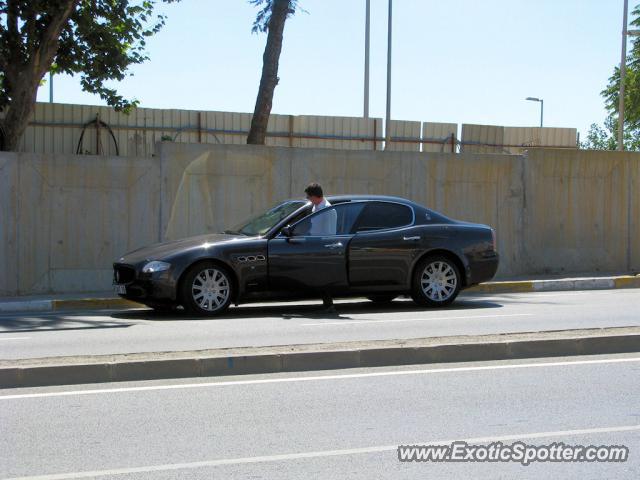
(374,246)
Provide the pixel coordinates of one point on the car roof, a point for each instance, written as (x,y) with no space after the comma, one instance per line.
(387,198)
(347,198)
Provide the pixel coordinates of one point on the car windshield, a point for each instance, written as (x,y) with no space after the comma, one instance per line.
(260,224)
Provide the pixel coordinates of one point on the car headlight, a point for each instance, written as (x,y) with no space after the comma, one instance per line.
(156,266)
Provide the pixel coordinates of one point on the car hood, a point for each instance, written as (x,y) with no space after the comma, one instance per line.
(160,251)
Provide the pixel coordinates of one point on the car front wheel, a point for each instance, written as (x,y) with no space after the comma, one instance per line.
(207,289)
(436,282)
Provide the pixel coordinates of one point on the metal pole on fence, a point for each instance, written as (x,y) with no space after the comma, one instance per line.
(367,34)
(387,136)
(97,134)
(50,87)
(623,71)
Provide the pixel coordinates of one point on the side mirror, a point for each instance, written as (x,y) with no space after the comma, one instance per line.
(287,231)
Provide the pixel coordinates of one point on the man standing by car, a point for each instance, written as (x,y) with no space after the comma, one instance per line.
(324,225)
(321,225)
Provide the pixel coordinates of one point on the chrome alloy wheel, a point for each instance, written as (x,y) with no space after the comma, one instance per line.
(438,281)
(210,289)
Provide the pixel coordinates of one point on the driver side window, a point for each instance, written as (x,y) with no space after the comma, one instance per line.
(336,220)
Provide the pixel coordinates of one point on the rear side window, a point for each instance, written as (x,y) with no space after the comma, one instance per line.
(383,215)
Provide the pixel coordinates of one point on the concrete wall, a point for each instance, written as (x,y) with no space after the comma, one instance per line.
(65,218)
(209,189)
(582,211)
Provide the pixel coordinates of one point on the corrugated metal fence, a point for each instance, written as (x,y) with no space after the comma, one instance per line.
(65,128)
(494,139)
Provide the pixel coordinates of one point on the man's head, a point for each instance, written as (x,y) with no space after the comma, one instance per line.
(314,193)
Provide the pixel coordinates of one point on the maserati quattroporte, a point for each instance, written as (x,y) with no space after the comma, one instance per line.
(366,246)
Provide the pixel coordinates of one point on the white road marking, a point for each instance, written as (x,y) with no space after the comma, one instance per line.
(323,453)
(15,338)
(319,378)
(414,319)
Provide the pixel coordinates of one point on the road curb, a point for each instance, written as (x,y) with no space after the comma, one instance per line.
(559,285)
(296,358)
(26,306)
(67,304)
(94,303)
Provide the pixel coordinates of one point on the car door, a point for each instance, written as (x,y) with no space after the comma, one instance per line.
(313,257)
(385,244)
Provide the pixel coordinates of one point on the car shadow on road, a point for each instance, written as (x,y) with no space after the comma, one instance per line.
(64,321)
(344,311)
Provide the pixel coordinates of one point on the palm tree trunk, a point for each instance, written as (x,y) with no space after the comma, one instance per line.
(269,78)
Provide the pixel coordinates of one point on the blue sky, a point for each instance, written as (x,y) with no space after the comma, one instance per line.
(462,61)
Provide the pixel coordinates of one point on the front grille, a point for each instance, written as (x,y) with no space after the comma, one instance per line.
(123,274)
(134,291)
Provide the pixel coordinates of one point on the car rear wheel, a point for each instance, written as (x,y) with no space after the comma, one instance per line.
(207,289)
(436,282)
(381,298)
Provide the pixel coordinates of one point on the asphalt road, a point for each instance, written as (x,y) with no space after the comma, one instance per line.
(326,425)
(85,333)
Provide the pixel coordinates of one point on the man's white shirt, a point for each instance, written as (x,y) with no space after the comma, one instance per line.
(323,224)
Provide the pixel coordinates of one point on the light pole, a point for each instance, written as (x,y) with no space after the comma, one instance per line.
(387,136)
(533,99)
(623,73)
(367,34)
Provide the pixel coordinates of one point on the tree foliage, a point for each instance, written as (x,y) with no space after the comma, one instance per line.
(261,23)
(96,39)
(605,137)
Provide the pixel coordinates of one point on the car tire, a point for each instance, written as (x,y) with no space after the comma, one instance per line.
(436,281)
(382,298)
(207,289)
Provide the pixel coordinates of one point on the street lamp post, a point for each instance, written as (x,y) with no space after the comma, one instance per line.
(533,99)
(367,34)
(387,136)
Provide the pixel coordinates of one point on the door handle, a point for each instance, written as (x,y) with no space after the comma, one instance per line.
(333,245)
(411,239)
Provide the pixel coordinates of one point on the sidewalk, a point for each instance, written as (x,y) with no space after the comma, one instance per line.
(107,300)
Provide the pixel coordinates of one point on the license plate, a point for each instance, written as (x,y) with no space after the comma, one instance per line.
(120,289)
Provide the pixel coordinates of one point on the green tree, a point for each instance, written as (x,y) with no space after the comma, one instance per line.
(97,39)
(599,138)
(605,138)
(271,18)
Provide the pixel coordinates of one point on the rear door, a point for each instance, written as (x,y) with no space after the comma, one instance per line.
(314,257)
(384,246)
